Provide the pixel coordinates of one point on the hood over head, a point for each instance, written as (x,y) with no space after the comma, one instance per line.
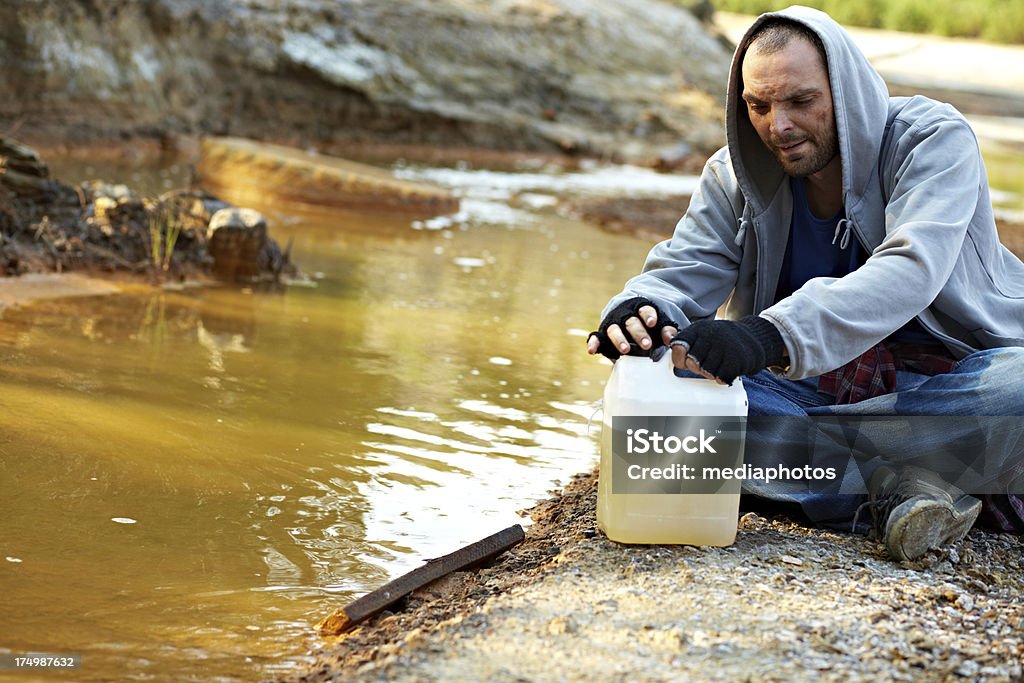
(860,101)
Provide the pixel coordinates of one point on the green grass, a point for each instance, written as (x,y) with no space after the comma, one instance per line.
(164,227)
(1006,174)
(1000,21)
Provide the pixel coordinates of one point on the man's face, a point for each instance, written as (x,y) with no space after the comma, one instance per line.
(789,103)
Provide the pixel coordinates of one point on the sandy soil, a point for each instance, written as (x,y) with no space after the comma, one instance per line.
(16,291)
(785,602)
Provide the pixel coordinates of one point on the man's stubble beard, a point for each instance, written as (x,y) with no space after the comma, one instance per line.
(819,158)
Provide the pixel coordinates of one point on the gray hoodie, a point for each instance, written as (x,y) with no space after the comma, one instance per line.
(916,198)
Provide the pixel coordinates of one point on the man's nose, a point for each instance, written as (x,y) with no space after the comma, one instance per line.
(781,123)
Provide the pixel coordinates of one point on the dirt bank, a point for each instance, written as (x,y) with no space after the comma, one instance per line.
(623,78)
(49,226)
(786,602)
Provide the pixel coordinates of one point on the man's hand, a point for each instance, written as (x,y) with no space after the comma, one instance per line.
(634,320)
(682,359)
(725,350)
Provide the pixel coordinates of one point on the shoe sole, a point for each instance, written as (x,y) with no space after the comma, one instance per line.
(919,525)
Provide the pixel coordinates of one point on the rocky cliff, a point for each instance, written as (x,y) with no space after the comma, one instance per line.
(617,77)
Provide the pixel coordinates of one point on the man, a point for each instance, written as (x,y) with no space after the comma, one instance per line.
(850,240)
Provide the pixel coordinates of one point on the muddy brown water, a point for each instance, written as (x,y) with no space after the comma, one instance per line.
(190,479)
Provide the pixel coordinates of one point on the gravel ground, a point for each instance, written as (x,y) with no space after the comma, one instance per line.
(785,602)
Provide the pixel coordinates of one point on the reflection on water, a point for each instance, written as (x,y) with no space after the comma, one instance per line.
(191,479)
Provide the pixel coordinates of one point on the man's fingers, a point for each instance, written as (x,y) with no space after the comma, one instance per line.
(639,333)
(635,329)
(649,315)
(684,361)
(616,337)
(694,367)
(679,356)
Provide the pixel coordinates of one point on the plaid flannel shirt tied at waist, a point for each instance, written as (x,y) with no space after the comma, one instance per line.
(873,373)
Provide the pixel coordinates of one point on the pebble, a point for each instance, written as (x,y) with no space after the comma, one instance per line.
(562,624)
(968,669)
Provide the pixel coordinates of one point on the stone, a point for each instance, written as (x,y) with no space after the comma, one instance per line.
(235,238)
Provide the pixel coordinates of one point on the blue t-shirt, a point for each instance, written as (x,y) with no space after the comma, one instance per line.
(814,250)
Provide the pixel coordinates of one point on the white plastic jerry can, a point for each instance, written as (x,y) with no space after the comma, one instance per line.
(669,448)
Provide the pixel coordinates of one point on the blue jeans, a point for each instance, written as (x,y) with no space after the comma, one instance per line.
(803,429)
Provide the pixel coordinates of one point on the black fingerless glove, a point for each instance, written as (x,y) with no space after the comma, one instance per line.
(728,349)
(618,316)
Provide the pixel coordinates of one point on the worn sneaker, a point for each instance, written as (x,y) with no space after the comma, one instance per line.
(914,511)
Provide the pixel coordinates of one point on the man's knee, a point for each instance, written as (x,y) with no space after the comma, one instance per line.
(1000,376)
